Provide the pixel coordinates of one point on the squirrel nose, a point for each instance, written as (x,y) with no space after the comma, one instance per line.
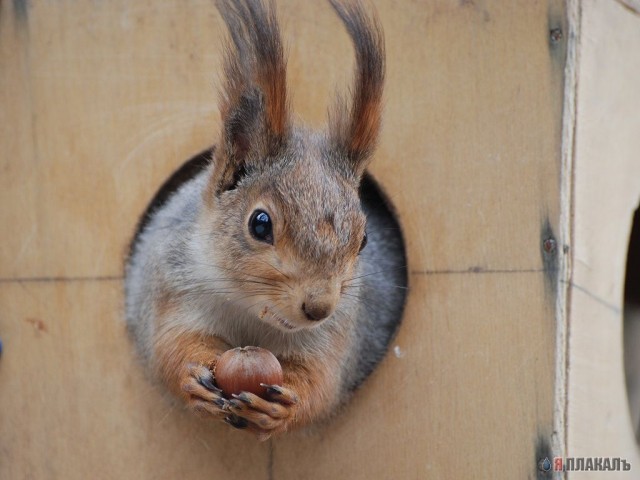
(316,311)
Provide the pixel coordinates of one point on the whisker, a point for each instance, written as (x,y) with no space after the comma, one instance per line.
(276,269)
(234,270)
(272,286)
(230,280)
(351,295)
(209,292)
(402,287)
(376,273)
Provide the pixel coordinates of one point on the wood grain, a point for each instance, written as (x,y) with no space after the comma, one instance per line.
(77,405)
(606,192)
(461,385)
(100,101)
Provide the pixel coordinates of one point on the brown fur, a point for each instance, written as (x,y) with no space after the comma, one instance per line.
(311,392)
(175,349)
(254,105)
(165,304)
(355,126)
(312,385)
(245,289)
(255,57)
(316,381)
(312,257)
(310,253)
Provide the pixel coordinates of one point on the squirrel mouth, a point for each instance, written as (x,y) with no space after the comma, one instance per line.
(284,323)
(281,320)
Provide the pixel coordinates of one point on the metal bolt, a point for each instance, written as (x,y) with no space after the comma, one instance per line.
(549,245)
(556,35)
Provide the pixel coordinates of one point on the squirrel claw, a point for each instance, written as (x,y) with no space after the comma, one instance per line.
(203,376)
(221,402)
(263,417)
(236,422)
(281,394)
(242,397)
(272,389)
(208,384)
(200,393)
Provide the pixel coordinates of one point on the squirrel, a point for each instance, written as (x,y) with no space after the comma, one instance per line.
(277,238)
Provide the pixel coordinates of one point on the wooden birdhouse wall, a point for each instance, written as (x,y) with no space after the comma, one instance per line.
(509,148)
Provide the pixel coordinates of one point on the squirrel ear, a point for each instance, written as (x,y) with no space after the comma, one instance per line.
(354,125)
(240,143)
(253,104)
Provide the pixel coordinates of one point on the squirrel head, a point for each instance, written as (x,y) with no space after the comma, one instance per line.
(282,204)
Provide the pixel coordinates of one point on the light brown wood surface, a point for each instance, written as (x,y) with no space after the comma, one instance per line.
(100,101)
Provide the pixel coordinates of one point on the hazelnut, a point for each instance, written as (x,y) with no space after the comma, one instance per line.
(243,369)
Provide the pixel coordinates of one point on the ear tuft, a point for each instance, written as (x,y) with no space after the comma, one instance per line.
(253,104)
(354,125)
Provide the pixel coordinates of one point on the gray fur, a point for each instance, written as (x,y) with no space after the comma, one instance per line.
(163,254)
(193,253)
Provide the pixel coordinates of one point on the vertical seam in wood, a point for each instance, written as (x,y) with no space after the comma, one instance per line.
(567,215)
(270,461)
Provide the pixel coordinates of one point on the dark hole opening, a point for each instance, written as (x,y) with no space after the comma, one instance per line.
(632,325)
(385,311)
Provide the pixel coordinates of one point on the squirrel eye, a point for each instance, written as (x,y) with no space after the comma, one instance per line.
(260,226)
(364,242)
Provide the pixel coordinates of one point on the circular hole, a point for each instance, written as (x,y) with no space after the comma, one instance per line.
(385,309)
(632,325)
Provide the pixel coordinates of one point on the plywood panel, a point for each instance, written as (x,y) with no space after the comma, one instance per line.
(471,157)
(104,99)
(606,192)
(18,175)
(121,93)
(461,386)
(116,95)
(473,123)
(75,405)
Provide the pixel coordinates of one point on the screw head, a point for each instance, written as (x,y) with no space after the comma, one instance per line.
(549,245)
(556,35)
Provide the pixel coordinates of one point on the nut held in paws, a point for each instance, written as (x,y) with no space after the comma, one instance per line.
(244,369)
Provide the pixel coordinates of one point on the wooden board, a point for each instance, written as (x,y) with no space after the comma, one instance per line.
(606,192)
(100,101)
(75,405)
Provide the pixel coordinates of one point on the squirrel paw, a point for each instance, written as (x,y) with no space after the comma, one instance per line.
(201,394)
(263,417)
